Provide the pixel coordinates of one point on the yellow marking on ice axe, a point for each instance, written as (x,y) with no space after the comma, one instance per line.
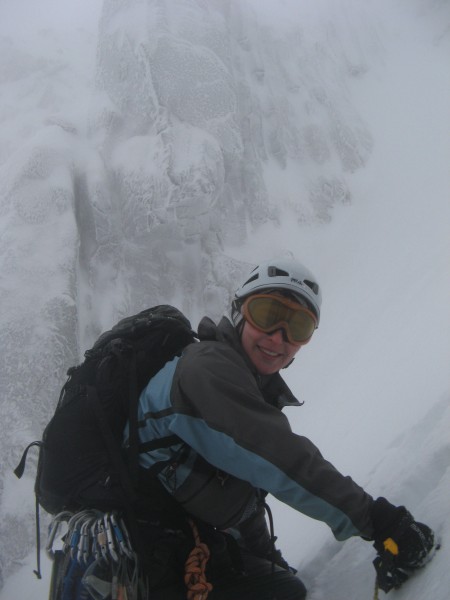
(390,546)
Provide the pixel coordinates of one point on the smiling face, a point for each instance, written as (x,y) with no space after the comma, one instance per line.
(268,352)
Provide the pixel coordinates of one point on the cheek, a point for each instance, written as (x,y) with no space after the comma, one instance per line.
(250,337)
(248,341)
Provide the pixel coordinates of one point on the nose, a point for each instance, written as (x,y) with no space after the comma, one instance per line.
(278,336)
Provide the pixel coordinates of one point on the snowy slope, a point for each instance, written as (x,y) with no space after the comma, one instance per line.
(375,378)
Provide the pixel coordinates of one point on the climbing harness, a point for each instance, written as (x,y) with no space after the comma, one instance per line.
(273,537)
(195,578)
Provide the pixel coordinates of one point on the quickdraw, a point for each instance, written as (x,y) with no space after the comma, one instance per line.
(91,535)
(100,544)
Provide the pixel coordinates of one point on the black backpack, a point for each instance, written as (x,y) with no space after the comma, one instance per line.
(82,463)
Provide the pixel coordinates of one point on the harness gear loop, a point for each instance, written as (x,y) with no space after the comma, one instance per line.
(194,570)
(273,537)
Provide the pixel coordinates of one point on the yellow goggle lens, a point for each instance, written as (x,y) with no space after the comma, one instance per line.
(269,313)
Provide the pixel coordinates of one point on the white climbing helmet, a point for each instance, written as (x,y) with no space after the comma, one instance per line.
(282,274)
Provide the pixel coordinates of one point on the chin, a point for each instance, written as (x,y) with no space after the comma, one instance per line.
(267,369)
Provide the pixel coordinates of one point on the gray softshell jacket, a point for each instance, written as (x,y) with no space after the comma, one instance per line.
(235,441)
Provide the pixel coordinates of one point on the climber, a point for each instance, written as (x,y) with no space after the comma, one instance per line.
(223,399)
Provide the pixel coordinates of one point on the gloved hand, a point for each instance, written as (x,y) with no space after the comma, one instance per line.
(402,544)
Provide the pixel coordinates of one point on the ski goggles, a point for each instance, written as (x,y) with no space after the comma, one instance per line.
(268,313)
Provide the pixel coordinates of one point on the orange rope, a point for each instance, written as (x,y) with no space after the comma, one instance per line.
(194,570)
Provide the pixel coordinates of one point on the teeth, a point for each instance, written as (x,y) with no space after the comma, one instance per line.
(268,352)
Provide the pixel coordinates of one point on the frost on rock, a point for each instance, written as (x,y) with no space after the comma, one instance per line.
(38,321)
(295,106)
(38,246)
(198,99)
(173,143)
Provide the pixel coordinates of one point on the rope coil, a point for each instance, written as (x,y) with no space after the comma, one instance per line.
(195,578)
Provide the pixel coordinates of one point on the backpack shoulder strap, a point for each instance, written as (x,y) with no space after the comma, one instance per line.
(19,470)
(111,443)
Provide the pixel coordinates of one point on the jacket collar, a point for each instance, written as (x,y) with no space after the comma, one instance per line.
(275,390)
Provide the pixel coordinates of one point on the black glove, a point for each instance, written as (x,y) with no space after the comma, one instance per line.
(402,544)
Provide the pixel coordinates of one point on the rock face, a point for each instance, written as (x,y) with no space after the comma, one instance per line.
(199,100)
(123,189)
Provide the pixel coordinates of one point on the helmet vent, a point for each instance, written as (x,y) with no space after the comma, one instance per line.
(275,272)
(254,278)
(313,285)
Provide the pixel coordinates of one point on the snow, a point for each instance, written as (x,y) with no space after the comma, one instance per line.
(375,377)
